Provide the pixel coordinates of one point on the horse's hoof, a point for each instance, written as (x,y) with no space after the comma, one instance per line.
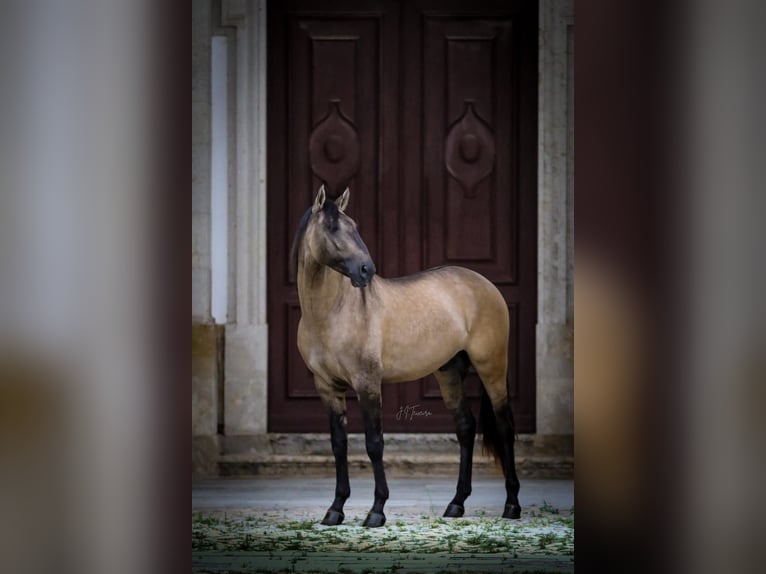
(454,511)
(512,511)
(333,518)
(374,519)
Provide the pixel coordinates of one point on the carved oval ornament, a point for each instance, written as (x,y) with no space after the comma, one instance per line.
(334,149)
(469,150)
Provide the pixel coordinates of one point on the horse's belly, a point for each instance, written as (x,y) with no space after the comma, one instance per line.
(414,361)
(419,339)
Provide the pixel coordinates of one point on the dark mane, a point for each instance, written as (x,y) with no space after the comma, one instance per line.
(332,213)
(304,222)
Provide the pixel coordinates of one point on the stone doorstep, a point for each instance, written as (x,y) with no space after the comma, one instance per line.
(397,465)
(526,445)
(407,455)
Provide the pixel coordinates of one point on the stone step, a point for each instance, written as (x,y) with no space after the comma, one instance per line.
(399,465)
(396,443)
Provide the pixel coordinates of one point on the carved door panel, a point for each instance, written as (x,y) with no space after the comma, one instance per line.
(428,112)
(332,92)
(469,168)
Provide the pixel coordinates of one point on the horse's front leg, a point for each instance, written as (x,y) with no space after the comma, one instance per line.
(336,406)
(371,405)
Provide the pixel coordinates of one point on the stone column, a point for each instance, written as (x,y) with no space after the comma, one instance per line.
(555,367)
(205,336)
(246,355)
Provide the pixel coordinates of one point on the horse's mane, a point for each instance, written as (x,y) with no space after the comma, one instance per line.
(332,212)
(304,223)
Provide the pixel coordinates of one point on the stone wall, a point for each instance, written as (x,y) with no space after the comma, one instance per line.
(201,142)
(206,337)
(207,386)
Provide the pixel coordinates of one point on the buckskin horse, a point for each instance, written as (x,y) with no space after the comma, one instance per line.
(359,330)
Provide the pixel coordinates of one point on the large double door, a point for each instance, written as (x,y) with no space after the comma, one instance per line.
(428,112)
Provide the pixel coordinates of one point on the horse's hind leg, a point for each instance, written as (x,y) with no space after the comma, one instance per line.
(371,405)
(506,431)
(498,428)
(335,401)
(450,378)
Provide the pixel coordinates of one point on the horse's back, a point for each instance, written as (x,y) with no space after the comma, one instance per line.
(463,287)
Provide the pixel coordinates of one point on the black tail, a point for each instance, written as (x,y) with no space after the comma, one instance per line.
(495,435)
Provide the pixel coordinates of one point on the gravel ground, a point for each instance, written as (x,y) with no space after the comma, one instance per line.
(271,535)
(269,539)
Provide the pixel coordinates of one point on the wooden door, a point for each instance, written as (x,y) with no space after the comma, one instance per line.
(427,110)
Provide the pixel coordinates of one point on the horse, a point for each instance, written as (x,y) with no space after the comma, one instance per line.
(359,330)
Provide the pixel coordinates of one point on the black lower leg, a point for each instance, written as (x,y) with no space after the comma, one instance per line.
(465,424)
(374,443)
(339,440)
(507,431)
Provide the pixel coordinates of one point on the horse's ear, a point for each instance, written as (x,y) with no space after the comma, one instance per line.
(319,201)
(343,200)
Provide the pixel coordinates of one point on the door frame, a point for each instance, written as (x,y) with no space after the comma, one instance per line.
(246,354)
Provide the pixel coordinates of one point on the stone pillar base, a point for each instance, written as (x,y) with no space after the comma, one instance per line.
(246,380)
(555,379)
(206,453)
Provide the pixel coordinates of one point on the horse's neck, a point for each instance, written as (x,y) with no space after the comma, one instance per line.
(319,289)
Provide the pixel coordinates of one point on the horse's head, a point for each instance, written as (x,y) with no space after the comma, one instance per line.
(333,240)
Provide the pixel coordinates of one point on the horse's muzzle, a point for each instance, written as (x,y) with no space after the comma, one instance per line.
(363,274)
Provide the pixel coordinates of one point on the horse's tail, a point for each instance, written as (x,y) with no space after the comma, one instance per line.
(493,439)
